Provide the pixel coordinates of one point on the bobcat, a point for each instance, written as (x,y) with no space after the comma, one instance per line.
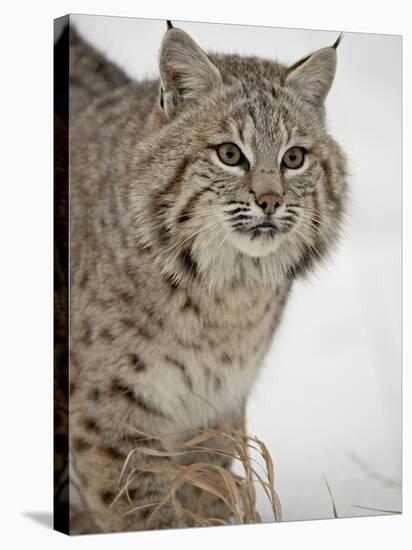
(195,202)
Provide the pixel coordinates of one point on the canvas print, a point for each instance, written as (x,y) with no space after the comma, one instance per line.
(227,274)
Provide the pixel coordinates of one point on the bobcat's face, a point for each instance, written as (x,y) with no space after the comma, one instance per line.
(244,166)
(262,178)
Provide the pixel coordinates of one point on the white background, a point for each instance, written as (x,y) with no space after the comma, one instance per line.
(306,404)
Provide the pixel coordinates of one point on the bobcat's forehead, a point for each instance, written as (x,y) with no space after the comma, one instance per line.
(265,132)
(262,122)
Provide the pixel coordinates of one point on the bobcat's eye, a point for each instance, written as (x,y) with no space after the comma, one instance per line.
(230,154)
(294,158)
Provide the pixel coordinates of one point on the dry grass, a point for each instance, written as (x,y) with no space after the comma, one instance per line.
(380,510)
(236,492)
(335,513)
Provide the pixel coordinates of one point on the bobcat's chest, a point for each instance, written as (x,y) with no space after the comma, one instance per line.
(212,352)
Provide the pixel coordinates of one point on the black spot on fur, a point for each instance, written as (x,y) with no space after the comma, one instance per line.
(237,210)
(188,345)
(94,394)
(86,337)
(128,323)
(106,335)
(182,369)
(80,444)
(185,213)
(90,425)
(239,218)
(121,387)
(188,263)
(107,497)
(165,232)
(191,305)
(118,386)
(163,200)
(124,296)
(144,333)
(226,358)
(237,202)
(84,279)
(111,452)
(183,218)
(132,493)
(172,284)
(137,362)
(145,513)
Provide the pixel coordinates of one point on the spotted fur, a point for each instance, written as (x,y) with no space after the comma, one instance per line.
(176,290)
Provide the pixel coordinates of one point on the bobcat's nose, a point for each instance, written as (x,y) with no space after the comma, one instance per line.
(269,202)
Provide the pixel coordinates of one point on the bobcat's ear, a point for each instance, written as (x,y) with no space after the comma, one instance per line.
(186,73)
(312,77)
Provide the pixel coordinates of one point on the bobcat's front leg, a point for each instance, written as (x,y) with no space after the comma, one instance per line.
(98,463)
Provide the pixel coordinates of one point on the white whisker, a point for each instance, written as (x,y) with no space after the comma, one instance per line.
(204,228)
(220,246)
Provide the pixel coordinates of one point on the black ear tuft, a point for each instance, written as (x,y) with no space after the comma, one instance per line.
(338,41)
(169,25)
(312,77)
